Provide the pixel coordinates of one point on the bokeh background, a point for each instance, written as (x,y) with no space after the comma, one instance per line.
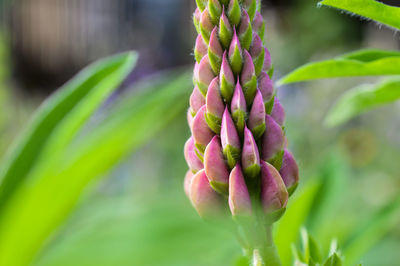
(139,215)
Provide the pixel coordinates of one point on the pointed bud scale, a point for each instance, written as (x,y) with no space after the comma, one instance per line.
(201,4)
(278,113)
(239,197)
(257,52)
(225,30)
(259,25)
(202,134)
(215,10)
(196,20)
(206,26)
(234,12)
(267,60)
(274,195)
(192,160)
(266,86)
(235,54)
(227,80)
(197,101)
(188,182)
(215,51)
(250,155)
(230,140)
(189,117)
(215,167)
(272,140)
(204,199)
(289,172)
(204,75)
(201,49)
(257,116)
(251,7)
(248,78)
(245,31)
(215,106)
(239,108)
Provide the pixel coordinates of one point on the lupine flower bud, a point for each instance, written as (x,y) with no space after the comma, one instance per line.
(191,157)
(274,195)
(202,134)
(289,172)
(250,155)
(205,200)
(239,197)
(216,169)
(237,147)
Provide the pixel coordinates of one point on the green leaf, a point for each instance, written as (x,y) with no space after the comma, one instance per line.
(362,99)
(61,116)
(40,206)
(388,15)
(359,63)
(288,228)
(372,231)
(334,260)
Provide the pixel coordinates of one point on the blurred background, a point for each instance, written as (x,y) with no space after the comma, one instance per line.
(139,215)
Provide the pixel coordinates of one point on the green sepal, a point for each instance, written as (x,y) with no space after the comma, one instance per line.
(197,56)
(219,187)
(213,122)
(258,6)
(201,4)
(271,72)
(251,10)
(277,160)
(269,105)
(234,13)
(215,61)
(292,189)
(259,62)
(261,32)
(196,24)
(199,155)
(250,89)
(274,216)
(246,38)
(239,117)
(227,89)
(236,61)
(200,147)
(334,260)
(225,34)
(214,11)
(203,88)
(232,155)
(205,33)
(258,131)
(252,172)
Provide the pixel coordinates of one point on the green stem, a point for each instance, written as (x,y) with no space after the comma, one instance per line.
(267,252)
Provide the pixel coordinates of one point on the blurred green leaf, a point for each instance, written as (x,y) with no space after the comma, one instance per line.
(371,9)
(359,63)
(362,99)
(42,204)
(288,228)
(372,231)
(334,260)
(60,117)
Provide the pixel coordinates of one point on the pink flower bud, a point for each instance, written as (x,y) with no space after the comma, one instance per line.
(215,51)
(239,198)
(289,172)
(196,20)
(197,100)
(216,169)
(274,195)
(245,31)
(239,108)
(267,60)
(230,139)
(235,54)
(204,199)
(227,80)
(189,117)
(188,182)
(248,78)
(250,155)
(278,113)
(259,25)
(206,25)
(192,159)
(273,139)
(266,86)
(204,75)
(225,30)
(202,134)
(257,116)
(214,103)
(200,49)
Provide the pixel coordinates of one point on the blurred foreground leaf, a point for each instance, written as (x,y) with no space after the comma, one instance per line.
(42,203)
(362,99)
(60,117)
(371,9)
(359,63)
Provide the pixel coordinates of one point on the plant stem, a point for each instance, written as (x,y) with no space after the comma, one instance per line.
(268,251)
